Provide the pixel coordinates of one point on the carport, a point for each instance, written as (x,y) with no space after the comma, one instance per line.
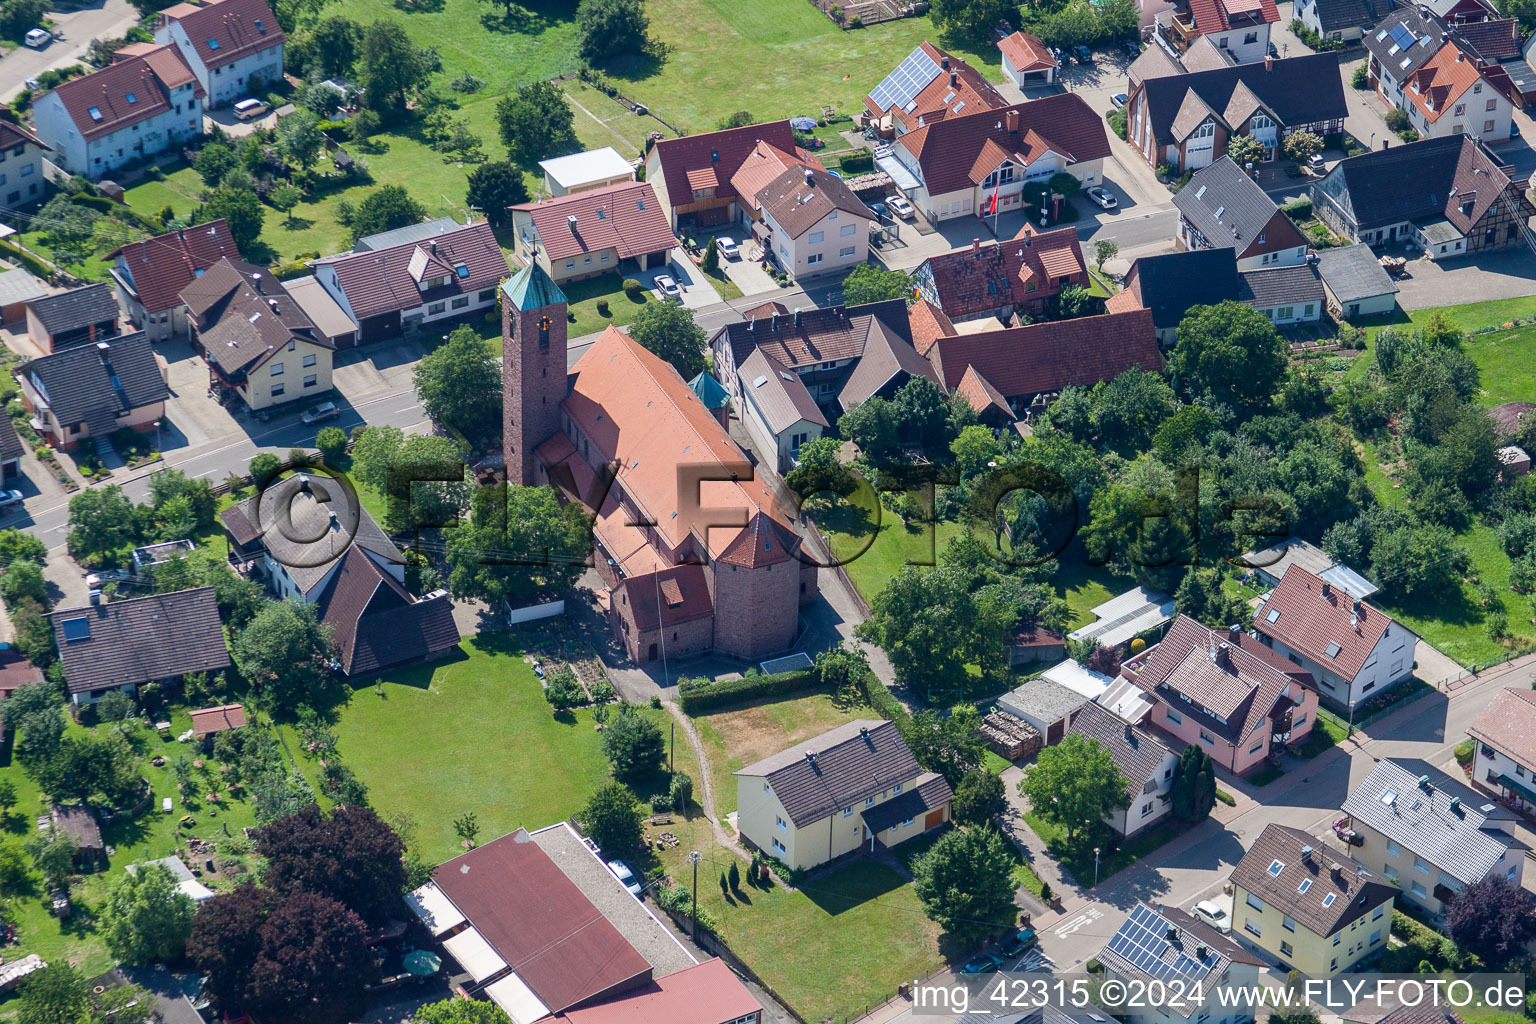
(900,176)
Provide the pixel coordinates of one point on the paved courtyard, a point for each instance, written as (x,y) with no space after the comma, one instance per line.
(1501,274)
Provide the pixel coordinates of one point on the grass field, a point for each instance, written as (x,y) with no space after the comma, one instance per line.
(1078,859)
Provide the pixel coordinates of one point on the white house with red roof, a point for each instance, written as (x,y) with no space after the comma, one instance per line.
(1506,746)
(928,86)
(695,176)
(1450,95)
(1239,28)
(146,101)
(21,165)
(1353,649)
(1026,60)
(148,276)
(230,45)
(592,232)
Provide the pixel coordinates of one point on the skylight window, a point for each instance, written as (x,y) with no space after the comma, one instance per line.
(1306,883)
(1273,616)
(213,44)
(95,113)
(1275,867)
(639,204)
(1333,649)
(1328,900)
(132,98)
(259,28)
(461,270)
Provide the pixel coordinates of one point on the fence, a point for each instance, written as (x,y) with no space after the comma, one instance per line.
(534,612)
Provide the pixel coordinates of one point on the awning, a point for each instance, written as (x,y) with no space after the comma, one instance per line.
(515,997)
(1513,786)
(904,179)
(435,910)
(474,954)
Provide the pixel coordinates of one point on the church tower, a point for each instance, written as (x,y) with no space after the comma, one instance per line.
(533,367)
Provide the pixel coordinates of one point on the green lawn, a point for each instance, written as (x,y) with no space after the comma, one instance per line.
(1078,860)
(583,297)
(1504,361)
(179,189)
(871,558)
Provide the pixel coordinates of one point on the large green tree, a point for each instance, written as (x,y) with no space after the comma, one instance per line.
(459,384)
(869,282)
(1194,785)
(240,209)
(536,123)
(970,18)
(932,623)
(283,652)
(1229,353)
(147,917)
(965,883)
(612,819)
(461,1011)
(520,544)
(494,186)
(391,67)
(101,523)
(606,28)
(979,797)
(950,745)
(634,744)
(670,331)
(298,138)
(1075,785)
(386,208)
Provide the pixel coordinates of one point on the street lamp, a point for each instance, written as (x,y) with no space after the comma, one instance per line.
(1095,865)
(1351,731)
(693,858)
(157,435)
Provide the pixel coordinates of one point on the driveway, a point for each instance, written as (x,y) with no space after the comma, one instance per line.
(360,371)
(697,290)
(103,19)
(192,416)
(1502,274)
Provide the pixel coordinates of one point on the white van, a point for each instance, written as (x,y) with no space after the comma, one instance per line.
(247,109)
(38,38)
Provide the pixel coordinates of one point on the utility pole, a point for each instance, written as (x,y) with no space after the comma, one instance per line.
(693,858)
(672,754)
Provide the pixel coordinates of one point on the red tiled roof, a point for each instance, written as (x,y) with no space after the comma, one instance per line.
(148,78)
(626,217)
(1509,724)
(1026,53)
(706,992)
(681,158)
(162,266)
(1122,301)
(969,281)
(762,166)
(796,204)
(683,593)
(207,721)
(1310,621)
(379,281)
(980,394)
(928,324)
(12,134)
(947,150)
(1442,80)
(1218,15)
(16,672)
(1042,357)
(240,27)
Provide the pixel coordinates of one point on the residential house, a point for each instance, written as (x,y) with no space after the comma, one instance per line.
(518,914)
(1139,612)
(1448,196)
(1429,834)
(1185,120)
(1354,282)
(1352,648)
(17,288)
(959,165)
(1000,278)
(692,175)
(91,391)
(1153,62)
(1342,21)
(209,722)
(1145,764)
(1008,374)
(1413,37)
(1223,208)
(777,410)
(622,406)
(15,672)
(1270,562)
(21,165)
(1154,944)
(1449,96)
(603,230)
(376,623)
(1225,692)
(595,168)
(1462,12)
(121,645)
(234,47)
(849,789)
(405,288)
(1026,60)
(1286,295)
(11,451)
(72,318)
(1046,705)
(146,101)
(1506,748)
(813,223)
(1240,27)
(333,325)
(148,276)
(258,341)
(1318,911)
(1169,285)
(929,85)
(761,167)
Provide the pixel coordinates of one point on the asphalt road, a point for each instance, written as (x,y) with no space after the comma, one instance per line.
(104,19)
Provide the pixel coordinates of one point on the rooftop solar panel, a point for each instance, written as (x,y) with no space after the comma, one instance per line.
(901,86)
(1402,36)
(77,629)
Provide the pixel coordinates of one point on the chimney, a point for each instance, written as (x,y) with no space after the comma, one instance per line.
(810,178)
(1306,854)
(797,318)
(570,222)
(1236,630)
(954,78)
(1128,732)
(944,63)
(1327,589)
(1269,63)
(1224,654)
(1013,120)
(975,247)
(1201,952)
(1355,605)
(1172,934)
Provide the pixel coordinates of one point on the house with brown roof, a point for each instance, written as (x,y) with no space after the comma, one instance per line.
(1240,27)
(1000,278)
(962,162)
(813,223)
(1026,60)
(376,623)
(21,164)
(760,169)
(91,391)
(232,46)
(1353,649)
(404,288)
(1145,762)
(693,176)
(849,789)
(927,86)
(1449,95)
(1225,692)
(121,645)
(1317,910)
(777,410)
(148,276)
(258,341)
(615,433)
(75,317)
(145,101)
(1506,748)
(612,228)
(209,722)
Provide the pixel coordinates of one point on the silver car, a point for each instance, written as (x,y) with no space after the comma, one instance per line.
(668,287)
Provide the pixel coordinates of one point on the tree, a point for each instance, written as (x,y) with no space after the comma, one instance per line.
(606,28)
(101,523)
(1245,149)
(1201,597)
(711,262)
(298,137)
(563,692)
(979,797)
(348,855)
(335,43)
(669,331)
(461,1011)
(391,67)
(24,579)
(520,543)
(923,414)
(1301,146)
(1075,784)
(16,877)
(819,469)
(1229,352)
(385,209)
(973,449)
(365,125)
(332,443)
(53,855)
(494,186)
(240,209)
(1194,785)
(869,282)
(373,451)
(283,652)
(264,468)
(965,883)
(467,828)
(459,384)
(739,119)
(57,994)
(1104,250)
(312,962)
(7,800)
(115,706)
(536,123)
(17,544)
(225,941)
(950,745)
(214,161)
(148,918)
(969,18)
(634,745)
(283,199)
(1492,918)
(612,819)
(932,623)
(874,428)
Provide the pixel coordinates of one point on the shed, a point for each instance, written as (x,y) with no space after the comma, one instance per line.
(1121,619)
(11,450)
(185,881)
(208,722)
(1045,705)
(80,822)
(1035,644)
(1355,283)
(1513,461)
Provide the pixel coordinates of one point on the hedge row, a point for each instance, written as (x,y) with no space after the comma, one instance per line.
(696,695)
(858,163)
(30,263)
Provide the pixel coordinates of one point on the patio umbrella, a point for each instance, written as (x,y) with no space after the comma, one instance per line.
(803,124)
(423,963)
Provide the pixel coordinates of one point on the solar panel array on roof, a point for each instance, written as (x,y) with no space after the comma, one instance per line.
(1402,37)
(900,87)
(77,629)
(1143,941)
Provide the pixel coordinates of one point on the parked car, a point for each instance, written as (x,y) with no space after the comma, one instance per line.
(626,876)
(901,208)
(880,210)
(1101,198)
(9,500)
(982,963)
(1082,53)
(320,413)
(1119,100)
(727,246)
(1019,942)
(1214,916)
(33,84)
(38,38)
(247,109)
(668,287)
(1315,161)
